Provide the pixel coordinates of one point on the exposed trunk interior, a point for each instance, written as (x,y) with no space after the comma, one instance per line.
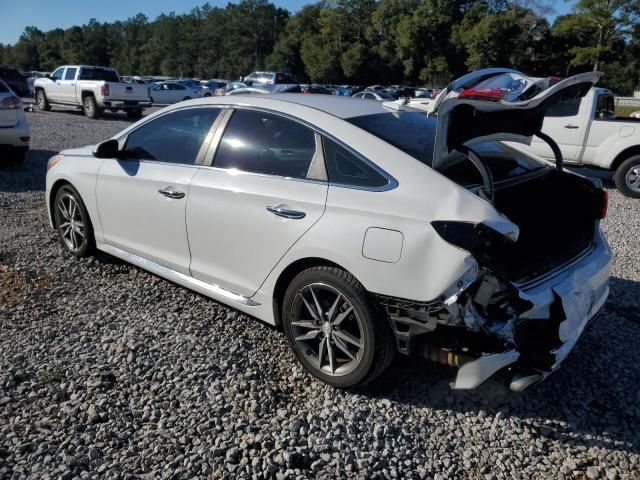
(556,213)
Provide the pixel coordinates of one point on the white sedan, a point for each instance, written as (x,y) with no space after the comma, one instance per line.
(166,93)
(354,226)
(14,128)
(380,96)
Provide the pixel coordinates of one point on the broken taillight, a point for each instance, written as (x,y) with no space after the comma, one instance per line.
(604,204)
(486,94)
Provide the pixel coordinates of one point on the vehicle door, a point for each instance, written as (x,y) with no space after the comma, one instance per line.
(178,92)
(142,195)
(54,89)
(565,122)
(67,85)
(161,94)
(256,200)
(604,126)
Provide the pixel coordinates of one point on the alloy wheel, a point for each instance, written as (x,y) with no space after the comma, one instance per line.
(327,329)
(71,225)
(633,178)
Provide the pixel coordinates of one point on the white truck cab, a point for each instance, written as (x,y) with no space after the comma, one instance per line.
(92,88)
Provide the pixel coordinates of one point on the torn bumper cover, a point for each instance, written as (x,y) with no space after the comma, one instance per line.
(484,324)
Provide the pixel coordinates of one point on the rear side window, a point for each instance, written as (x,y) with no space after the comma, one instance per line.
(70,74)
(348,169)
(564,108)
(98,74)
(172,138)
(605,108)
(260,142)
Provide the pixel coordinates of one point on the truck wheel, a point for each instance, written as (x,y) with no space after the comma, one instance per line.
(627,177)
(134,114)
(41,100)
(90,108)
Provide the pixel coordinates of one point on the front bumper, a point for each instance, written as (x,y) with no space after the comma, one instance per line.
(561,308)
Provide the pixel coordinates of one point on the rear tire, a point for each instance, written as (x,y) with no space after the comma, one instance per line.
(134,114)
(627,177)
(348,343)
(72,222)
(90,107)
(41,100)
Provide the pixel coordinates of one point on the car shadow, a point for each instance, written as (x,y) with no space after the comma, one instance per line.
(592,400)
(28,176)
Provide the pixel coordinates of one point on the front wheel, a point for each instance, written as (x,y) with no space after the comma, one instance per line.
(41,100)
(72,222)
(335,329)
(627,177)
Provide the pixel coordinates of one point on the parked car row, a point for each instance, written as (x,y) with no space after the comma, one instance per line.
(14,128)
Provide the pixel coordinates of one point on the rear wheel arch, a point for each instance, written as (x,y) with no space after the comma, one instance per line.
(289,273)
(624,155)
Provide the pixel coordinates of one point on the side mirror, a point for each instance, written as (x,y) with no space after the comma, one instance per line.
(107,149)
(47,76)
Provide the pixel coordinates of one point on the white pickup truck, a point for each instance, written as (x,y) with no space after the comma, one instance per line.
(589,134)
(93,89)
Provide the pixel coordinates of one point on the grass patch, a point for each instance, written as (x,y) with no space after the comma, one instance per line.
(54,375)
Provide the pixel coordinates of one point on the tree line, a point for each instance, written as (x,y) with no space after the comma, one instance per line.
(424,42)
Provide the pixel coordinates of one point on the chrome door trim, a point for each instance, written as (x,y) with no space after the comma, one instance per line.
(209,289)
(286,212)
(220,126)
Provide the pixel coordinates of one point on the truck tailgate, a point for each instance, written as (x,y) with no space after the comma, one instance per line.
(127,91)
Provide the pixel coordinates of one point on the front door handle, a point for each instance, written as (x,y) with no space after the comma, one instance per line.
(282,211)
(171,193)
(571,127)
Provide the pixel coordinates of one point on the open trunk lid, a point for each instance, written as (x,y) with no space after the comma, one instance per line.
(467,117)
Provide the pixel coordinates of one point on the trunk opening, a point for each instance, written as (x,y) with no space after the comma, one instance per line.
(556,213)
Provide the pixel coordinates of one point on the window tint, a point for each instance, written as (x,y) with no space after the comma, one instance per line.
(57,75)
(172,138)
(70,74)
(259,142)
(564,108)
(412,132)
(3,87)
(346,168)
(98,74)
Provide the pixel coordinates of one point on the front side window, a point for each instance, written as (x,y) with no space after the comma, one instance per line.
(57,75)
(346,168)
(263,143)
(172,138)
(70,74)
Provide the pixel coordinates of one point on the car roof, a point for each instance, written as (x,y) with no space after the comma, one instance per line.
(343,107)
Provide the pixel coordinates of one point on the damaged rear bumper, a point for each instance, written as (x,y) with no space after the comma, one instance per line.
(531,330)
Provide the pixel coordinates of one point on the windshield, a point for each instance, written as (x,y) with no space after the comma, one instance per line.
(415,133)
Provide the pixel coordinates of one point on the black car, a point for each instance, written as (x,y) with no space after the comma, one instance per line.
(16,81)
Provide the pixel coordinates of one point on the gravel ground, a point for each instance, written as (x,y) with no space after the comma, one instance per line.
(107,371)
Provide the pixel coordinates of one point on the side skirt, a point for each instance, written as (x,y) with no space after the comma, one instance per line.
(208,289)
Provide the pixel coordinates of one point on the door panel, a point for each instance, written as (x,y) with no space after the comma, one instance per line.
(67,86)
(137,218)
(235,241)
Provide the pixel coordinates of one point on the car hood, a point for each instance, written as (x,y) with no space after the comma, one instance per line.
(463,122)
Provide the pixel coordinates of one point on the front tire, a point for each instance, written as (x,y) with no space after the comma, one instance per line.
(335,329)
(41,100)
(72,222)
(90,107)
(627,177)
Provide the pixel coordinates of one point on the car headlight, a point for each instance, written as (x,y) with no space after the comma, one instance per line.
(53,160)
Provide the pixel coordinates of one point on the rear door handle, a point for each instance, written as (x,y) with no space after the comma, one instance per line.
(571,127)
(282,211)
(171,193)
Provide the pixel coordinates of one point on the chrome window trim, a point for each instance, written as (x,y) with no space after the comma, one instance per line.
(392,182)
(200,157)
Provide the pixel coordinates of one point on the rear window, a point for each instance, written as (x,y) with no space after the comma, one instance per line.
(98,74)
(415,133)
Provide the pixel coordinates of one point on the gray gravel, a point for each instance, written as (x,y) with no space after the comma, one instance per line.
(107,371)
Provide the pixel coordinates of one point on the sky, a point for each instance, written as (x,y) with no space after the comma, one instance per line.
(50,14)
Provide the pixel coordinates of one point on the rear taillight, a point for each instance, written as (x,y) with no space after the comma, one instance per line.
(306,90)
(104,90)
(11,103)
(604,204)
(486,94)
